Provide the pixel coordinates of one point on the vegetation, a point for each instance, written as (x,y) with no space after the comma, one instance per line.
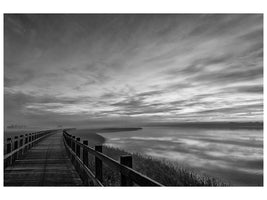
(165,172)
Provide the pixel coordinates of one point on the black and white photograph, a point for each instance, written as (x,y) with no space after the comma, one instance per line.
(133,100)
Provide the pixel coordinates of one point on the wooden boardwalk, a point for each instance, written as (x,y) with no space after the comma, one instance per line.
(46,164)
(56,158)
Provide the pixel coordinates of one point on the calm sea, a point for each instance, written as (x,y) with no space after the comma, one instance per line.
(235,156)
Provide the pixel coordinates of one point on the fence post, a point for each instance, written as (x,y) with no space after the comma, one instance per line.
(66,138)
(78,149)
(78,153)
(73,144)
(73,149)
(85,162)
(98,165)
(127,161)
(33,138)
(85,154)
(26,141)
(69,140)
(8,150)
(20,145)
(29,140)
(16,143)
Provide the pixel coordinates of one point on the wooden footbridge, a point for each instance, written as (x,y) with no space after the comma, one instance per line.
(56,158)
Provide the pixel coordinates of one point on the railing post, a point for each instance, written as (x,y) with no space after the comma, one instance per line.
(33,138)
(73,148)
(69,140)
(29,140)
(16,142)
(20,145)
(78,153)
(8,150)
(127,161)
(66,138)
(26,141)
(73,144)
(98,165)
(85,162)
(85,154)
(78,149)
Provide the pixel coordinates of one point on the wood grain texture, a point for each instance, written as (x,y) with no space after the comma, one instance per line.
(46,164)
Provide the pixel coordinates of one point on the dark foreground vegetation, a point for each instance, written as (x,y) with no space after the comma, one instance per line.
(165,172)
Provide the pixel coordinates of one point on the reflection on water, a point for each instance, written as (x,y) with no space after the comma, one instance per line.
(232,155)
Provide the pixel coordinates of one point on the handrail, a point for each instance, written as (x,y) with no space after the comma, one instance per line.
(126,171)
(87,170)
(22,147)
(17,147)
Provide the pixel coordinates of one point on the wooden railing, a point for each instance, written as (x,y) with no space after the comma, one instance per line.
(80,160)
(18,146)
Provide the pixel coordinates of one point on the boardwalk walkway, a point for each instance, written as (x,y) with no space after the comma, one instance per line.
(46,164)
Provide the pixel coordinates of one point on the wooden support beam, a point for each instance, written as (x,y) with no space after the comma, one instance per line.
(29,140)
(26,141)
(85,153)
(73,149)
(85,162)
(16,145)
(20,145)
(126,160)
(98,165)
(73,144)
(8,150)
(78,148)
(32,139)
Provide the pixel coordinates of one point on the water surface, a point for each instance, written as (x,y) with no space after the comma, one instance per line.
(235,156)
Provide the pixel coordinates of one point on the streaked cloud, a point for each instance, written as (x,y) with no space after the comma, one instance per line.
(133,67)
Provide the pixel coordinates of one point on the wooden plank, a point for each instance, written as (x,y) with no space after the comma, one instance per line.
(98,165)
(126,160)
(9,149)
(46,164)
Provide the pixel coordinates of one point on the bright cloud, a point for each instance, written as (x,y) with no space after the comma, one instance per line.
(141,67)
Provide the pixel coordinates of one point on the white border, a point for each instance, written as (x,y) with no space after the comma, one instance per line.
(133,6)
(126,6)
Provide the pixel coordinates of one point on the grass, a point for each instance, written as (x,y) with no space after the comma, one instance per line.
(165,172)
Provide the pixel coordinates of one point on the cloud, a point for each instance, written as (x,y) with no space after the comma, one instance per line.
(231,76)
(235,109)
(253,89)
(139,67)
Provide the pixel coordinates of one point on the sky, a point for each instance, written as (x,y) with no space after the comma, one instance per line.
(84,70)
